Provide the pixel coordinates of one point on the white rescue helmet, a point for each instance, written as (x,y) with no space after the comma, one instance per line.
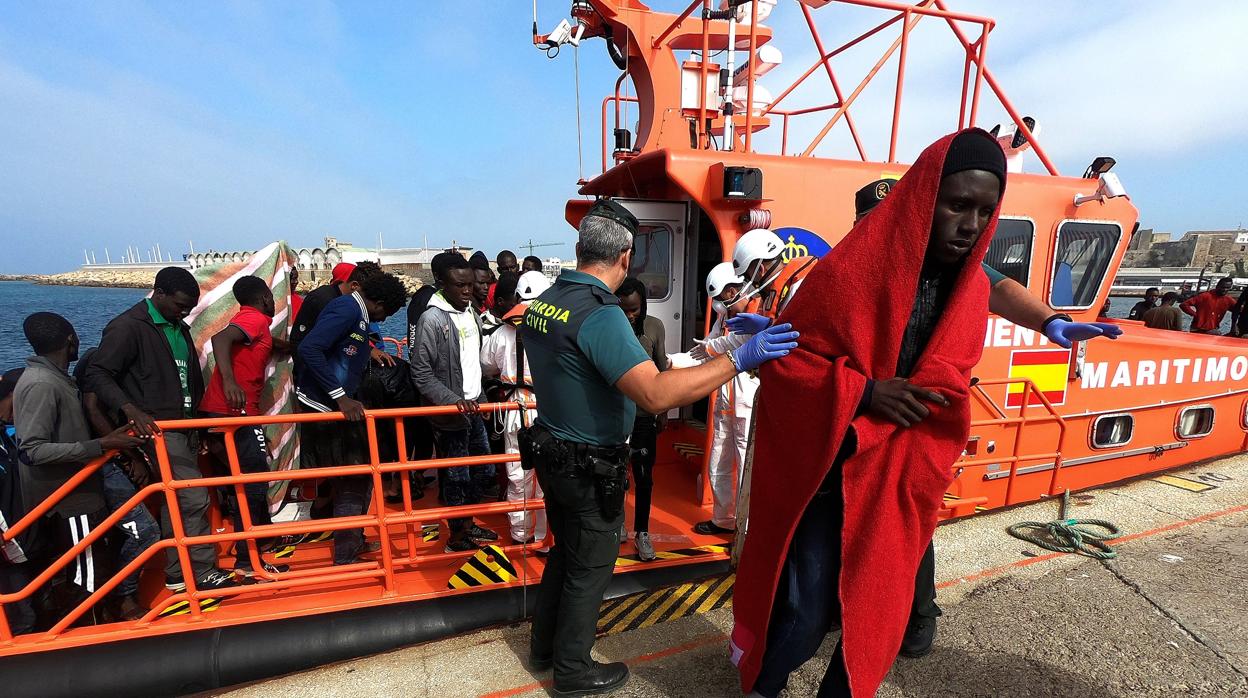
(531,285)
(721,277)
(756,245)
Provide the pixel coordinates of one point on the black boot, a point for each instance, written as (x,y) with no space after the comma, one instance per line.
(603,678)
(920,634)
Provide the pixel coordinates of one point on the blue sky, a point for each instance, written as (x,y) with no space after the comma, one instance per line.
(231,124)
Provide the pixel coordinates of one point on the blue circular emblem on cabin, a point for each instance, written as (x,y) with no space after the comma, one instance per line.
(800,242)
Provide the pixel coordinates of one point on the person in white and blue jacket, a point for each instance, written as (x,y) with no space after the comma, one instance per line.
(333,357)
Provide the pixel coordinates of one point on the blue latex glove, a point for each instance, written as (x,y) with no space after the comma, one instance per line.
(772,343)
(1063,333)
(748,323)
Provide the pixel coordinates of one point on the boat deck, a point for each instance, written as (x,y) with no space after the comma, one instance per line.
(675,508)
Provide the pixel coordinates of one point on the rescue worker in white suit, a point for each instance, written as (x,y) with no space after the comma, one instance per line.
(499,355)
(734,403)
(769,283)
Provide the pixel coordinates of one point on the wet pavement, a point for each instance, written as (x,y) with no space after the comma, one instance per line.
(1168,617)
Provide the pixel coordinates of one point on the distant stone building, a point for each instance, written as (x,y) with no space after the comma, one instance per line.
(1222,250)
(316,263)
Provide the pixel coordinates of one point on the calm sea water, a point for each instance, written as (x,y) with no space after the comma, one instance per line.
(90,309)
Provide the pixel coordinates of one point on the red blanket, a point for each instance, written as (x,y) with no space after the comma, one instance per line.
(852,311)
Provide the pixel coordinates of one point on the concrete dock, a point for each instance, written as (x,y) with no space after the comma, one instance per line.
(1168,617)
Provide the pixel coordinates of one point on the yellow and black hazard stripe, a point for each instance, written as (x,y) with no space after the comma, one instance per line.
(429,532)
(688,450)
(646,609)
(1184,483)
(952,499)
(488,565)
(183,607)
(700,551)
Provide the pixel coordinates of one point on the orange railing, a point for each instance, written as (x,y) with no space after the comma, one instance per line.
(975,75)
(1050,416)
(410,519)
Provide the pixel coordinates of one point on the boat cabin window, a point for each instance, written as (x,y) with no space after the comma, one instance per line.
(1112,430)
(652,260)
(1084,252)
(1010,249)
(1195,422)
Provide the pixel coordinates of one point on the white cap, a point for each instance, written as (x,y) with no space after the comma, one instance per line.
(531,285)
(721,277)
(755,245)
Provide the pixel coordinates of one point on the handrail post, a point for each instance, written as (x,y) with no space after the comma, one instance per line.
(174,512)
(379,504)
(901,76)
(405,481)
(244,507)
(749,88)
(704,133)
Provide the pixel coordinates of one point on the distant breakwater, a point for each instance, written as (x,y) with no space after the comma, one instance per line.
(94,278)
(104,278)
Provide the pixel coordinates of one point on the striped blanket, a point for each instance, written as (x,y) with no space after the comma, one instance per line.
(217,306)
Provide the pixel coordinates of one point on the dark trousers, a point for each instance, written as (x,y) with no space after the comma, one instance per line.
(351,495)
(139,528)
(577,571)
(464,484)
(20,614)
(644,442)
(253,457)
(807,604)
(924,604)
(193,504)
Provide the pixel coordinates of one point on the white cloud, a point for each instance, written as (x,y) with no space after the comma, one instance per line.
(1138,79)
(103,172)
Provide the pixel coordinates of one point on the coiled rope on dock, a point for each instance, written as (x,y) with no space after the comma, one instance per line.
(1069,535)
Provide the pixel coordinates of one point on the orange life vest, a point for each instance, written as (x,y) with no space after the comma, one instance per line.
(769,301)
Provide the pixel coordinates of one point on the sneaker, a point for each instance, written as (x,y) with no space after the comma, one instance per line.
(645,549)
(176,585)
(482,534)
(920,635)
(246,570)
(462,545)
(216,579)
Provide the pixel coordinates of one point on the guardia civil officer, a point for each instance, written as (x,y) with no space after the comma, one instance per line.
(589,375)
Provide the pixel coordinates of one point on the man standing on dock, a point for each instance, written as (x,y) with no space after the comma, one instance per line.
(893,391)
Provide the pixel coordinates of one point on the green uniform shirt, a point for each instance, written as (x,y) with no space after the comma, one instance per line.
(578,344)
(181,353)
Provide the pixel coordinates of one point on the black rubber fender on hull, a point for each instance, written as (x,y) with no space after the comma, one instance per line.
(200,660)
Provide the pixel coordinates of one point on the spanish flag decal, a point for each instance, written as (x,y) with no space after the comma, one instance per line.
(1048,370)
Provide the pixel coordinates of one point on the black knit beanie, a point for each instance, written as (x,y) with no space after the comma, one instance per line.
(974,150)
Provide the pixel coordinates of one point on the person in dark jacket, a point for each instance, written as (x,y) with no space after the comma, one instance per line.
(146,369)
(446,368)
(15,555)
(54,443)
(332,361)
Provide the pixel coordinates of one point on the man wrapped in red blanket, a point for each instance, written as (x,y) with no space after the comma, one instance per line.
(858,429)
